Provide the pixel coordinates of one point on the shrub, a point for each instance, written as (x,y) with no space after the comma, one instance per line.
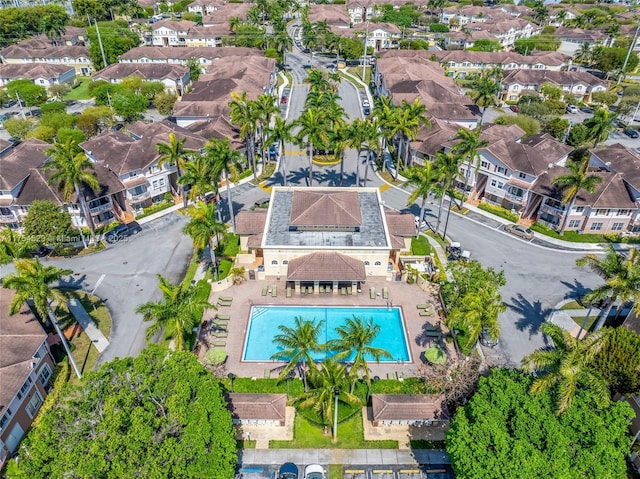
(499,211)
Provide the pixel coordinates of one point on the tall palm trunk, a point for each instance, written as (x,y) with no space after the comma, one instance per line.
(604,316)
(358,167)
(366,166)
(251,145)
(303,373)
(233,219)
(341,167)
(284,162)
(399,154)
(310,164)
(53,319)
(423,207)
(440,209)
(85,212)
(565,220)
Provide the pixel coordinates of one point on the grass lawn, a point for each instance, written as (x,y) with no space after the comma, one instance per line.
(357,72)
(580,319)
(231,245)
(572,305)
(82,349)
(350,436)
(81,92)
(335,471)
(420,246)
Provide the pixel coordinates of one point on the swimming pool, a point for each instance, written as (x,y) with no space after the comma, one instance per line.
(264,322)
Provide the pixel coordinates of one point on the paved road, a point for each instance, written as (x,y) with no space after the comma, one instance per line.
(124,275)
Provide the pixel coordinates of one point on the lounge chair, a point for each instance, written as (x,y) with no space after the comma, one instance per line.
(343,291)
(219,334)
(225,298)
(426,313)
(423,306)
(328,290)
(224,317)
(219,344)
(321,289)
(433,334)
(310,289)
(288,291)
(400,376)
(372,292)
(265,288)
(224,303)
(349,290)
(274,292)
(385,293)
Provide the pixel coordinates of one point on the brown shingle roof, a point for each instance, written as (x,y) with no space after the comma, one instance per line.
(621,160)
(20,337)
(225,12)
(538,77)
(332,14)
(147,71)
(16,162)
(398,407)
(250,406)
(314,208)
(33,71)
(401,224)
(184,53)
(325,267)
(251,222)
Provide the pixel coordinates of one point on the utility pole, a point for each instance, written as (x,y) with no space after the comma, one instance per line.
(20,104)
(104,58)
(364,53)
(626,59)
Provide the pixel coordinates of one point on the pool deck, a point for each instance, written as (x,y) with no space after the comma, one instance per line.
(249,293)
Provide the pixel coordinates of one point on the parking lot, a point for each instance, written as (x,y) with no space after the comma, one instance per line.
(407,471)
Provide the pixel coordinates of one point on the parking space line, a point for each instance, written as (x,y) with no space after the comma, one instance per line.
(409,471)
(384,187)
(296,152)
(354,471)
(266,188)
(382,471)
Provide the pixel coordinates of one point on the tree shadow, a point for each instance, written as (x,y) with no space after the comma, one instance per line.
(300,176)
(426,338)
(532,315)
(330,176)
(576,290)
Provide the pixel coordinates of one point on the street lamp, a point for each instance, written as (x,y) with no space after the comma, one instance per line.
(231,377)
(336,394)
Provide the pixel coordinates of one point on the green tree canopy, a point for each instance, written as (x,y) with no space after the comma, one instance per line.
(47,224)
(129,105)
(618,361)
(116,38)
(28,92)
(22,22)
(531,126)
(486,45)
(543,42)
(158,415)
(18,127)
(504,431)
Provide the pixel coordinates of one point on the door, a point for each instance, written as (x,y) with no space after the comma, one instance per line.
(14,438)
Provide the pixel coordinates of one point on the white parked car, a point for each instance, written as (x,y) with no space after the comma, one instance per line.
(572,109)
(314,471)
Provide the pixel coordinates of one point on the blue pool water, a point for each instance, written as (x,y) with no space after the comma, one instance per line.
(264,322)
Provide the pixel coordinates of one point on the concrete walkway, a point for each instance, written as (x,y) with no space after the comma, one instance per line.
(345,456)
(84,320)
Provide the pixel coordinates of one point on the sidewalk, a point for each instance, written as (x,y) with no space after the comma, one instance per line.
(83,318)
(387,457)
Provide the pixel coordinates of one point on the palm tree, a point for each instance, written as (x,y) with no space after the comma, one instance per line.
(203,224)
(384,111)
(224,161)
(599,125)
(198,174)
(281,132)
(243,115)
(476,311)
(313,131)
(264,110)
(356,337)
(176,313)
(621,276)
(339,141)
(370,131)
(407,124)
(321,396)
(584,54)
(357,135)
(484,93)
(318,81)
(174,153)
(567,366)
(425,179)
(297,346)
(33,282)
(72,169)
(448,169)
(575,181)
(14,246)
(468,147)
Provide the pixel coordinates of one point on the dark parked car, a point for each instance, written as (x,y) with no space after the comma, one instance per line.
(288,471)
(631,133)
(513,108)
(121,232)
(10,103)
(42,252)
(485,339)
(211,198)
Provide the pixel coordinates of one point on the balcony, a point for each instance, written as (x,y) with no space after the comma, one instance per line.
(101,207)
(514,199)
(554,226)
(140,196)
(552,210)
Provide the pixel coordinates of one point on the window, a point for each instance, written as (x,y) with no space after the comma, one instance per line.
(484,164)
(34,404)
(579,209)
(25,387)
(617,226)
(500,184)
(522,175)
(516,87)
(377,263)
(275,261)
(45,374)
(596,226)
(159,183)
(602,212)
(367,263)
(285,261)
(624,212)
(500,169)
(5,419)
(574,223)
